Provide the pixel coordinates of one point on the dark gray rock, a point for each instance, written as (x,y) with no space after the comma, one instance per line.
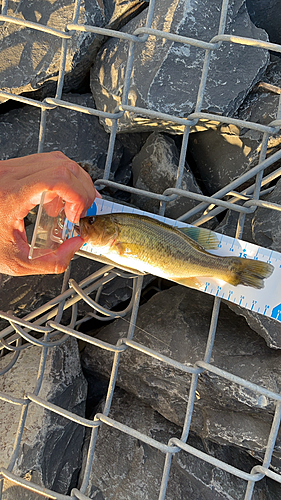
(267,328)
(222,152)
(219,156)
(79,136)
(30,59)
(50,450)
(166,75)
(267,222)
(228,226)
(155,169)
(175,323)
(24,294)
(264,14)
(128,469)
(122,11)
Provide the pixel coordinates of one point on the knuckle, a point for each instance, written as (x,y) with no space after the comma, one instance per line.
(66,169)
(62,172)
(57,155)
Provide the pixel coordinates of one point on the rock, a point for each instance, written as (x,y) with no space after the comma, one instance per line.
(36,55)
(267,224)
(222,152)
(122,11)
(30,59)
(126,468)
(228,226)
(79,136)
(155,169)
(24,294)
(50,449)
(267,328)
(219,156)
(263,14)
(175,323)
(165,75)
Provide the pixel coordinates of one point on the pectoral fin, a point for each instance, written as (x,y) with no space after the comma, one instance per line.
(204,237)
(190,282)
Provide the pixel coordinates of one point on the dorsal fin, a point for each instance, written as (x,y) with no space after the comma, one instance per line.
(204,237)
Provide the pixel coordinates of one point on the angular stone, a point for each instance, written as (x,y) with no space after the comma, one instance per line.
(155,169)
(223,152)
(125,467)
(78,135)
(263,14)
(267,328)
(50,449)
(166,75)
(30,59)
(228,226)
(175,323)
(267,222)
(24,294)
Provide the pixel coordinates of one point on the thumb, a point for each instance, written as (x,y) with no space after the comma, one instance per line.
(56,262)
(65,252)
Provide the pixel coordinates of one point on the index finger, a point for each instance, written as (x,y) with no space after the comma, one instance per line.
(69,181)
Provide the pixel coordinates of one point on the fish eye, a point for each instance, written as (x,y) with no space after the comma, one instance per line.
(91,220)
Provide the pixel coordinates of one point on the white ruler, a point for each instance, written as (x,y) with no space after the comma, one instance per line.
(266,301)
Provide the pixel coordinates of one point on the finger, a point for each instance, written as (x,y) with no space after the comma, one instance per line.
(54,207)
(57,261)
(51,263)
(77,194)
(25,166)
(38,163)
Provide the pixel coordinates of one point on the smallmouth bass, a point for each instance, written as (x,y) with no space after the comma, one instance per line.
(178,254)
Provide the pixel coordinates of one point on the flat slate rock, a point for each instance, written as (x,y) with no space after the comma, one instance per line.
(129,469)
(78,135)
(267,222)
(223,152)
(155,169)
(175,323)
(264,14)
(50,450)
(166,75)
(22,295)
(30,59)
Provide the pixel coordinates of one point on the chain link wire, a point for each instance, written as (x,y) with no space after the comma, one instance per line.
(45,321)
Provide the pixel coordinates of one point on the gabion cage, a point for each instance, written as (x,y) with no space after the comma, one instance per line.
(40,327)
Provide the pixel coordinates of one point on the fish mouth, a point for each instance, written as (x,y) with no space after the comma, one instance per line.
(77,228)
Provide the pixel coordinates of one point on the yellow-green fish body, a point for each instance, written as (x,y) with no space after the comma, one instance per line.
(148,245)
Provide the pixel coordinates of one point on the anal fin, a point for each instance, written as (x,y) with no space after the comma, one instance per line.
(190,282)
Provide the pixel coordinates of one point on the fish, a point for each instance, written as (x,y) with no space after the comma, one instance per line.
(147,245)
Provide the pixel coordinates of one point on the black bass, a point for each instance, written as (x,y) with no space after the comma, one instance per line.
(178,254)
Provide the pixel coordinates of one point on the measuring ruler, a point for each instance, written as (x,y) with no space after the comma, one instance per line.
(266,301)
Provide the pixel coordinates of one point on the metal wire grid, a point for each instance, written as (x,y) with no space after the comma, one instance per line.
(46,319)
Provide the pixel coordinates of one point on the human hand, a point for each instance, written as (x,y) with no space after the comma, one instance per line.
(22,181)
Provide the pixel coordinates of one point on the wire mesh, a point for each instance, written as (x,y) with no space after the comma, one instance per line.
(45,321)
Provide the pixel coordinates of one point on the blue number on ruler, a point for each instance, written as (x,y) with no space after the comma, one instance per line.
(241,299)
(218,290)
(229,294)
(207,284)
(243,254)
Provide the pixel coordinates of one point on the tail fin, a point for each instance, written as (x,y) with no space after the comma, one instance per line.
(249,272)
